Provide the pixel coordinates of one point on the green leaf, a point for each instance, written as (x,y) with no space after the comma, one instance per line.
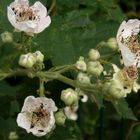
(8,56)
(98,99)
(123,110)
(71,132)
(7,90)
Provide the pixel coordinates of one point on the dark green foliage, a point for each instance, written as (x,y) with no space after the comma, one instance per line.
(77,26)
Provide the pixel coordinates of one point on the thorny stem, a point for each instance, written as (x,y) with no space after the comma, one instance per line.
(52,6)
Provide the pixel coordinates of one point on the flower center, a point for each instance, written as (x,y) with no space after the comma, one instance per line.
(40,117)
(25,13)
(131,72)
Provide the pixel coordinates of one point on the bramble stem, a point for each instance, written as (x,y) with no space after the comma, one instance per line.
(47,76)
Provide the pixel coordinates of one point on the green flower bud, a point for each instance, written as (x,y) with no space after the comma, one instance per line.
(39,56)
(27,60)
(69,97)
(94,68)
(83,78)
(116,90)
(94,55)
(80,64)
(60,118)
(7,37)
(13,135)
(112,43)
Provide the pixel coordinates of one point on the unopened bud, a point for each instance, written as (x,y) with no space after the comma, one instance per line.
(39,56)
(112,43)
(69,97)
(116,90)
(80,64)
(7,37)
(27,60)
(94,55)
(83,78)
(13,136)
(60,118)
(94,68)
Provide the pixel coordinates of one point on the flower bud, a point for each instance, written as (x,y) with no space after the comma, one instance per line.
(13,135)
(80,64)
(112,43)
(60,118)
(27,60)
(94,68)
(69,97)
(39,56)
(7,37)
(116,90)
(83,78)
(94,54)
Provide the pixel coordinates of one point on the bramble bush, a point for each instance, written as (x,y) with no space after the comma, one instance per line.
(69,69)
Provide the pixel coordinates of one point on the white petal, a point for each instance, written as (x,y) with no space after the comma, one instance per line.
(71,112)
(136,87)
(48,103)
(115,68)
(128,56)
(11,16)
(23,2)
(42,24)
(24,121)
(30,104)
(42,11)
(127,29)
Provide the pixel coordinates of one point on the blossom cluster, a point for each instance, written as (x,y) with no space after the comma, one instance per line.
(39,115)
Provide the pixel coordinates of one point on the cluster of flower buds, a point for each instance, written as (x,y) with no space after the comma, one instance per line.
(71,98)
(30,59)
(89,67)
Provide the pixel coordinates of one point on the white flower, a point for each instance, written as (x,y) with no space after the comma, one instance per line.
(37,115)
(30,19)
(71,112)
(128,42)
